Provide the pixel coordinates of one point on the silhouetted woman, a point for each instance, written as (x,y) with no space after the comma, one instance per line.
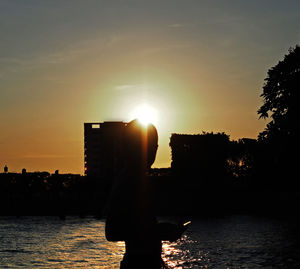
(130,216)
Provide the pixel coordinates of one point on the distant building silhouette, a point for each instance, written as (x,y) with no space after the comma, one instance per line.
(102,142)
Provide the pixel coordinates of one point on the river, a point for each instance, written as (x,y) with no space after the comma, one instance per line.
(227,243)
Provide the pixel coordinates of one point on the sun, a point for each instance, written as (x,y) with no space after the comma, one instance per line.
(145,114)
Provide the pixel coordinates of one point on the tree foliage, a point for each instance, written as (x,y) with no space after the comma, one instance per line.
(281,98)
(202,155)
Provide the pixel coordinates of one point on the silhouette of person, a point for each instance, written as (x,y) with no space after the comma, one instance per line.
(130,216)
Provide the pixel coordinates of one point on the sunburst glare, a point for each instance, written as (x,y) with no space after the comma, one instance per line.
(145,114)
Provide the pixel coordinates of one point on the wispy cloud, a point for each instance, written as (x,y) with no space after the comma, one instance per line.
(38,59)
(130,87)
(159,49)
(176,25)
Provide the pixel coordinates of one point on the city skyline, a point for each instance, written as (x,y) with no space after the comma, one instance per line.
(200,64)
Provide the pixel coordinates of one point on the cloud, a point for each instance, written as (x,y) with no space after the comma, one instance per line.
(176,25)
(22,63)
(49,57)
(129,87)
(163,49)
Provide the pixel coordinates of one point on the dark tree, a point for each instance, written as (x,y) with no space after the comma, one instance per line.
(201,158)
(281,98)
(280,139)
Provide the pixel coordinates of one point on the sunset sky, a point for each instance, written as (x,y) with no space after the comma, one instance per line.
(199,64)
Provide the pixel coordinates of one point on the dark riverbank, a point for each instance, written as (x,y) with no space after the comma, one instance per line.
(45,194)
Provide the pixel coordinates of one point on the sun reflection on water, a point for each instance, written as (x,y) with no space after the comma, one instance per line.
(179,255)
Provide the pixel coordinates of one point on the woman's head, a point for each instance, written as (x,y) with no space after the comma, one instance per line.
(140,143)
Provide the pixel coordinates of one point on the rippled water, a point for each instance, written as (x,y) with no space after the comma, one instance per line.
(231,242)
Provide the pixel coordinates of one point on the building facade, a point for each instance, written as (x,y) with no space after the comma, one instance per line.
(102,144)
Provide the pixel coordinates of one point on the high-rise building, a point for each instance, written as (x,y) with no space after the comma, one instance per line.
(102,143)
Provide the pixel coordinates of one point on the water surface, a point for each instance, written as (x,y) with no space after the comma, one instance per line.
(229,242)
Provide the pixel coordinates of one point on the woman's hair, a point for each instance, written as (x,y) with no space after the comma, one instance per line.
(140,143)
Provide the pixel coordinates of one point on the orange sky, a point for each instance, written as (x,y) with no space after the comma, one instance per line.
(201,65)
